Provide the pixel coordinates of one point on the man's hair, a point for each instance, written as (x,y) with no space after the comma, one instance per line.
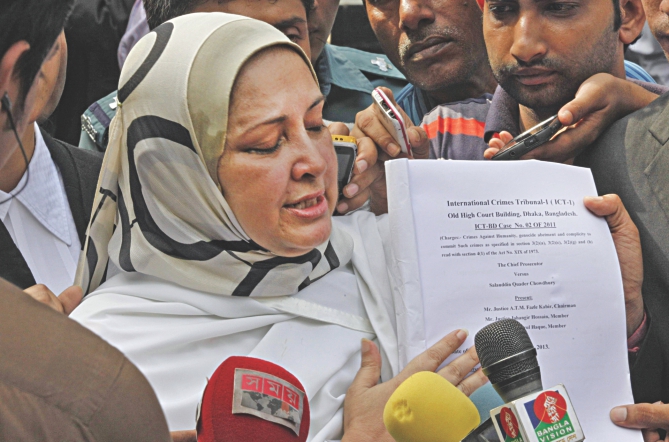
(39,22)
(617,17)
(159,11)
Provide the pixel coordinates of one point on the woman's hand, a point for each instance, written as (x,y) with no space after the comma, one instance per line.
(646,417)
(366,398)
(601,100)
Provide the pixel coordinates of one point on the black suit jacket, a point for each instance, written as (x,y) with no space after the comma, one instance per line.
(632,160)
(79,169)
(93,32)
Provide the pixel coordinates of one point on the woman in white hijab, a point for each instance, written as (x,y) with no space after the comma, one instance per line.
(215,202)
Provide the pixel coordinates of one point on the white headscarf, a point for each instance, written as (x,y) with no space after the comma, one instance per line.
(159,210)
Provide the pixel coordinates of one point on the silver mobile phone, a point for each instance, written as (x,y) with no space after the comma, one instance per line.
(529,140)
(346,149)
(392,120)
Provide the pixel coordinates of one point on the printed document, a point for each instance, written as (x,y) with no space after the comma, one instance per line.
(477,241)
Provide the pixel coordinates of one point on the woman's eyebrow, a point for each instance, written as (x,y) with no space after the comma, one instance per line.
(318,101)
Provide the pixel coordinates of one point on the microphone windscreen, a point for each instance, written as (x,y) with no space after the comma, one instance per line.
(501,340)
(253,400)
(428,408)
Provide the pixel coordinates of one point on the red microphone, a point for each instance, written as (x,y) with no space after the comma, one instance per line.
(251,399)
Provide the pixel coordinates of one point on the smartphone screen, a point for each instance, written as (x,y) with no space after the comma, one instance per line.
(345,161)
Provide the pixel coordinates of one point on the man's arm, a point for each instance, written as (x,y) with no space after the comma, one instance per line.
(375,147)
(648,417)
(601,100)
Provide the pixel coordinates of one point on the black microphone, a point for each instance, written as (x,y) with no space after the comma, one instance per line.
(530,413)
(509,359)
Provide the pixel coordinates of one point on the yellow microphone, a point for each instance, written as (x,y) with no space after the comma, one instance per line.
(428,408)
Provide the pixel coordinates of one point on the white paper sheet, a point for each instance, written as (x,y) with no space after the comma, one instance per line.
(478,241)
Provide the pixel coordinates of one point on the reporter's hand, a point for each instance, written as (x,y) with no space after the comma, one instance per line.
(646,417)
(64,303)
(601,100)
(366,398)
(375,146)
(628,246)
(359,188)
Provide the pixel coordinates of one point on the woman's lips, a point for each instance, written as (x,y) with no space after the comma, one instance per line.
(309,208)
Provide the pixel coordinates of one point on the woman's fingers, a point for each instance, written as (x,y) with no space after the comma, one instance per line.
(473,382)
(460,367)
(370,368)
(434,356)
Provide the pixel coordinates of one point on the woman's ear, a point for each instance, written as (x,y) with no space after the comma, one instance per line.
(633,18)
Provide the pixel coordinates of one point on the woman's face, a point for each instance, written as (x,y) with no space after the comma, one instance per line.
(278,170)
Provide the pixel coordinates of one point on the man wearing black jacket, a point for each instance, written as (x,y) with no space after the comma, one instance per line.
(93,31)
(46,186)
(632,159)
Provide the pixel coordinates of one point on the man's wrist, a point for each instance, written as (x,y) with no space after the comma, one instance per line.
(640,98)
(635,340)
(635,317)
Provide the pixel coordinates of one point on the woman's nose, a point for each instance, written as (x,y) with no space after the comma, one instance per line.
(311,163)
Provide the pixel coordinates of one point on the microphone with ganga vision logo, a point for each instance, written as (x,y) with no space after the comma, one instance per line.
(253,400)
(531,414)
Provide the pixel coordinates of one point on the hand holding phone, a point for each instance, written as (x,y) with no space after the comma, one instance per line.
(346,149)
(529,140)
(392,120)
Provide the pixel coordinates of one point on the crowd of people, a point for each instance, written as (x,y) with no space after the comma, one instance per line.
(199,217)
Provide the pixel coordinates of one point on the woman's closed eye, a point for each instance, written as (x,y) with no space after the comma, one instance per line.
(265,150)
(317,129)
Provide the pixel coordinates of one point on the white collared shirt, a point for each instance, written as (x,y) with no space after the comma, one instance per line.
(40,222)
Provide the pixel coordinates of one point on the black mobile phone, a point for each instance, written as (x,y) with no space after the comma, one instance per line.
(346,149)
(529,140)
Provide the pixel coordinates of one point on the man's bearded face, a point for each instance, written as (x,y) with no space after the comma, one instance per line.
(541,52)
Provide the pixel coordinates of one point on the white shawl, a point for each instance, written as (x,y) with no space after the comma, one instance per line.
(177,336)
